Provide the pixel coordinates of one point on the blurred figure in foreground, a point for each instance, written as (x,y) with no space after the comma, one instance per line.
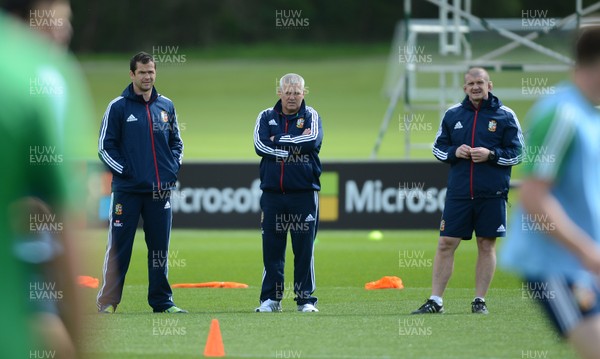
(45,106)
(555,232)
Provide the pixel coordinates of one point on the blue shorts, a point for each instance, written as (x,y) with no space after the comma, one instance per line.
(485,216)
(566,303)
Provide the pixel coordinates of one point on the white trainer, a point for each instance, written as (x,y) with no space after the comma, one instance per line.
(307,308)
(269,306)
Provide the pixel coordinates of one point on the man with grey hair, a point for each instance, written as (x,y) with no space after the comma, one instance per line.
(288,138)
(481,139)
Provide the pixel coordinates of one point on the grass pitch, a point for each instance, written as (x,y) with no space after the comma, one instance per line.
(217,101)
(352,322)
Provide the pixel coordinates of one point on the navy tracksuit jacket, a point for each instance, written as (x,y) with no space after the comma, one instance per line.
(289,173)
(493,126)
(140,144)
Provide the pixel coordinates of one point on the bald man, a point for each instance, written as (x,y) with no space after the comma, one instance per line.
(288,139)
(481,139)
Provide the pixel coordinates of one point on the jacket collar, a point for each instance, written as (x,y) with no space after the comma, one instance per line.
(491,102)
(279,109)
(130,94)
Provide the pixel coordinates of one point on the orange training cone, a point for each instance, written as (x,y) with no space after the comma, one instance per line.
(214,344)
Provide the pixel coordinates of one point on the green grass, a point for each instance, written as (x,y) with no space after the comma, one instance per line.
(217,101)
(218,94)
(353,322)
(263,50)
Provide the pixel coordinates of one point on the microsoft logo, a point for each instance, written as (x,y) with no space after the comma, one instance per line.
(329,199)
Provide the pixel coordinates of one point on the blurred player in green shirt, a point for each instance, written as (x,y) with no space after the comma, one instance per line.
(554,238)
(44,107)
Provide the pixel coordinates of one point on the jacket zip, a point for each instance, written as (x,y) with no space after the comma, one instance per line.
(473,145)
(152,145)
(283,162)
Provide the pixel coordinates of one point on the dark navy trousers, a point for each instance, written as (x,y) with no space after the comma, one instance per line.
(297,213)
(126,209)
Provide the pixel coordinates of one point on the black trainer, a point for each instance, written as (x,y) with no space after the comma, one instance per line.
(430,307)
(478,307)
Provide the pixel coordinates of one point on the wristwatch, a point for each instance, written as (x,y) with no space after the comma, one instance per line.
(492,156)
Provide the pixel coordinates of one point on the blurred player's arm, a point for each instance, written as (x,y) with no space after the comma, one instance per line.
(109,149)
(263,144)
(537,200)
(443,149)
